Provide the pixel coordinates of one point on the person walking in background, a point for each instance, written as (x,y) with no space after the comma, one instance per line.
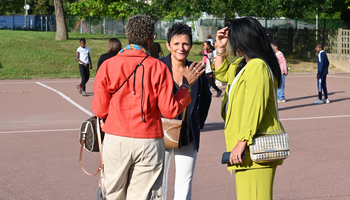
(156,51)
(209,71)
(204,52)
(133,146)
(179,43)
(210,39)
(84,59)
(248,106)
(114,46)
(284,70)
(322,71)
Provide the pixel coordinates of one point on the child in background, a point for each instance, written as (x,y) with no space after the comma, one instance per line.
(217,82)
(156,51)
(204,51)
(209,71)
(210,39)
(84,59)
(284,70)
(322,71)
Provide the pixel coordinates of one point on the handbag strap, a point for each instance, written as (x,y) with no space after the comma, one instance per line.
(274,95)
(183,116)
(134,71)
(100,151)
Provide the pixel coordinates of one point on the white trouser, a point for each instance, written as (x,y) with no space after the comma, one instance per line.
(185,161)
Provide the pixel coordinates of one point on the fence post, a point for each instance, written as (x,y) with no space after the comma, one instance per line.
(339,41)
(305,38)
(123,27)
(100,25)
(290,39)
(46,22)
(90,24)
(160,28)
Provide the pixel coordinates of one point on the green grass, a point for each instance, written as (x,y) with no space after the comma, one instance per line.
(31,54)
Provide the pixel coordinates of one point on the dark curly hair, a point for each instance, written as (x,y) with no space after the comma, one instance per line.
(139,29)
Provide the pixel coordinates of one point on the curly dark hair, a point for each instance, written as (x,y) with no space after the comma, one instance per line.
(139,29)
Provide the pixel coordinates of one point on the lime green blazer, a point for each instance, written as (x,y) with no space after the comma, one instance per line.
(251,106)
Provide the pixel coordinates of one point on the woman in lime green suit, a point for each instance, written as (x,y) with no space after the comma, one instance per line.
(248,106)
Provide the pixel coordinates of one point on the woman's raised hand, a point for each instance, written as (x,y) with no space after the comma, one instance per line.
(193,72)
(222,38)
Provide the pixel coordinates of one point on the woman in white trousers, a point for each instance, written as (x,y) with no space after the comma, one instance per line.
(179,44)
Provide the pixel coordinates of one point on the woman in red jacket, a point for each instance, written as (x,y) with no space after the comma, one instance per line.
(133,147)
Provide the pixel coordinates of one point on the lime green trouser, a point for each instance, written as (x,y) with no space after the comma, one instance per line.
(255,184)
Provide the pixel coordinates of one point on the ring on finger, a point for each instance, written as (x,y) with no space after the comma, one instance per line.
(197,71)
(194,68)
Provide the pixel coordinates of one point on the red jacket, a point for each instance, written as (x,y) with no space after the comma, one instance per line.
(124,108)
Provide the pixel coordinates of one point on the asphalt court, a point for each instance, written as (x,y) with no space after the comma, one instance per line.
(39,146)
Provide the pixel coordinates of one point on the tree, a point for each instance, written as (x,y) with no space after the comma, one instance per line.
(101,8)
(10,7)
(41,7)
(61,27)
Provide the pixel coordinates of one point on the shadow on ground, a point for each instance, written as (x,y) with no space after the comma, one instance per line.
(313,96)
(311,104)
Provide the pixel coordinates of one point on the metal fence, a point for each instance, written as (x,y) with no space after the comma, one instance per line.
(332,24)
(111,26)
(29,22)
(335,41)
(294,34)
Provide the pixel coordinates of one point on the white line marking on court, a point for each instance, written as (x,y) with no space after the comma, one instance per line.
(36,131)
(294,119)
(209,123)
(67,98)
(308,76)
(324,117)
(338,76)
(58,81)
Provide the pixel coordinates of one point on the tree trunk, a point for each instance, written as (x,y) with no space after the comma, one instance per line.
(61,28)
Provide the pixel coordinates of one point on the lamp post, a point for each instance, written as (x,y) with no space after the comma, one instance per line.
(26,8)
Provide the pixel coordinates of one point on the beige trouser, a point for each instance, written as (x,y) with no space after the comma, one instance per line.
(133,167)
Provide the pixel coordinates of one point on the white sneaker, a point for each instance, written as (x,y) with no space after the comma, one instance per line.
(319,101)
(281,100)
(326,100)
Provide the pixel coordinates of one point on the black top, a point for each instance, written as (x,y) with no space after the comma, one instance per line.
(200,103)
(105,57)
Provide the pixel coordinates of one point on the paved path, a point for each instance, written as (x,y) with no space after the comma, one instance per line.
(39,146)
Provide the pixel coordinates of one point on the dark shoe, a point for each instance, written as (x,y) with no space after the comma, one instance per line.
(84,94)
(219,93)
(79,89)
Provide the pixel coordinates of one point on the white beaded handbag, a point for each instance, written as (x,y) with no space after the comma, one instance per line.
(267,148)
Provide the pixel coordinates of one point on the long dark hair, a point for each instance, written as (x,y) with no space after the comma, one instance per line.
(247,35)
(155,50)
